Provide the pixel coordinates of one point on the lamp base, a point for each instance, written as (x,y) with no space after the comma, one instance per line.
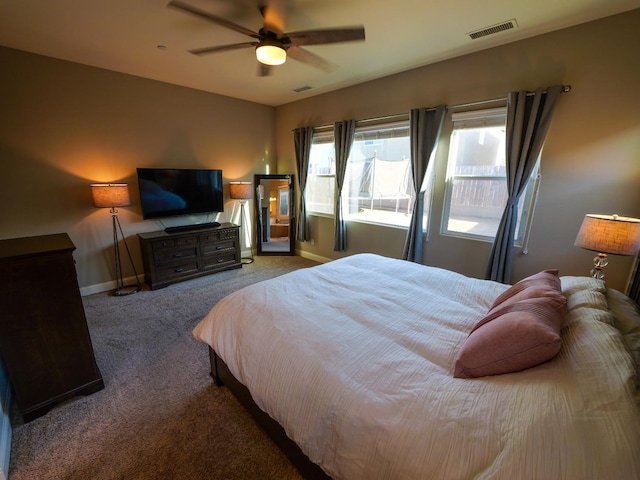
(599,262)
(122,289)
(243,221)
(127,290)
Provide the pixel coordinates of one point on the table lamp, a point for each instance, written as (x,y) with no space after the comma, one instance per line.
(608,234)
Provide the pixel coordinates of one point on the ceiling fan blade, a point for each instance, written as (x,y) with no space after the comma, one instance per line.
(273,12)
(305,56)
(327,35)
(185,7)
(222,48)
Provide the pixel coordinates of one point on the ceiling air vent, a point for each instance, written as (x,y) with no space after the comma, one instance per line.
(501,27)
(302,89)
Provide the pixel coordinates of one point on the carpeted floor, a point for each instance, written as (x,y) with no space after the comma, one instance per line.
(159,416)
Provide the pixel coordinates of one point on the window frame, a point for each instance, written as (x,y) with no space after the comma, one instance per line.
(321,135)
(366,130)
(373,130)
(491,117)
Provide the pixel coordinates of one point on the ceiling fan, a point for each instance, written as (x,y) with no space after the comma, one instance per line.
(271,43)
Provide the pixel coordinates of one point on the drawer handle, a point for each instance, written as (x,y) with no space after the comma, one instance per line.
(177,255)
(220,260)
(218,247)
(178,270)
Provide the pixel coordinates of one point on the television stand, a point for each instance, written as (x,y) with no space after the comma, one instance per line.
(188,228)
(174,257)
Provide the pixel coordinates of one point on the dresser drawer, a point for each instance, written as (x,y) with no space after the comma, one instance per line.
(170,256)
(219,260)
(168,243)
(217,247)
(172,243)
(167,272)
(185,241)
(222,235)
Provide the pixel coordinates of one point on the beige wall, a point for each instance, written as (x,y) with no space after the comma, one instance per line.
(65,125)
(590,164)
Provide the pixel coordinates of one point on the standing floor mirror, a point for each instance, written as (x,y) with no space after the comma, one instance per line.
(275,218)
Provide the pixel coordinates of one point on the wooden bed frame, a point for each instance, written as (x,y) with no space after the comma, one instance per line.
(222,376)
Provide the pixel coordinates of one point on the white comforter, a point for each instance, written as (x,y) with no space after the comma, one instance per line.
(354,358)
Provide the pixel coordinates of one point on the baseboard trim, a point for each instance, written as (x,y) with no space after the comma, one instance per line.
(104,287)
(311,256)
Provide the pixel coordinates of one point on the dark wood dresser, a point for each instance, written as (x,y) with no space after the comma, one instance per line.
(44,338)
(174,257)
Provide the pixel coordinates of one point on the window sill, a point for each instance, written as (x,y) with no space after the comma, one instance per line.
(319,214)
(478,238)
(359,220)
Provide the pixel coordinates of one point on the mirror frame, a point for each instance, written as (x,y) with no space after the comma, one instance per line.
(257,180)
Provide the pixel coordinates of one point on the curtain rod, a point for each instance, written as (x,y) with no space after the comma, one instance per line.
(565,89)
(402,116)
(397,116)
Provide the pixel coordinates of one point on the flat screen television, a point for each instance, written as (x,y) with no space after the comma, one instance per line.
(168,192)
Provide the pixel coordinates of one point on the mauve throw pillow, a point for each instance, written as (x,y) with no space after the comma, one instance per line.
(538,285)
(521,330)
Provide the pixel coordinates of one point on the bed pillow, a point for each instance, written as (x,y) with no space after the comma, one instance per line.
(538,285)
(521,330)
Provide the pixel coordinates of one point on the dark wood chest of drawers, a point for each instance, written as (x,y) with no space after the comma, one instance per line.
(44,338)
(174,257)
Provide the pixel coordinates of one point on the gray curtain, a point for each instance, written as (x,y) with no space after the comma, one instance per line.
(425,126)
(528,120)
(302,138)
(343,138)
(634,288)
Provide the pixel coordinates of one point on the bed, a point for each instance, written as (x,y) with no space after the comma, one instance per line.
(356,363)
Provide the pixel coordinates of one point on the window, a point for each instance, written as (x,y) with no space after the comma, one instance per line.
(476,190)
(321,176)
(378,185)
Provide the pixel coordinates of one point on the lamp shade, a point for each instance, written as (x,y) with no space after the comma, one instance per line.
(108,195)
(271,54)
(610,234)
(240,190)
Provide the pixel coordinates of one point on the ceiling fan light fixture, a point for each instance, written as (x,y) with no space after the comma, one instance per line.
(271,54)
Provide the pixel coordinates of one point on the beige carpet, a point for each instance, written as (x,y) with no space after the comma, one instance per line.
(159,416)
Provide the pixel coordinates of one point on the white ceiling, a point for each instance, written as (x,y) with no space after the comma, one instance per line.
(126,35)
